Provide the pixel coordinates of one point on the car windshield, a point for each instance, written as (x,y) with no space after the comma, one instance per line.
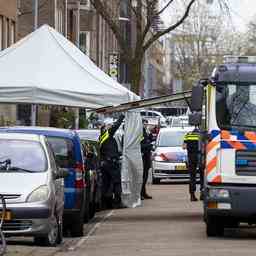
(22,155)
(64,151)
(171,139)
(236,106)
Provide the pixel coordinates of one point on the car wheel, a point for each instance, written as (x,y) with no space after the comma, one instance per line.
(214,226)
(51,239)
(87,205)
(77,226)
(155,180)
(92,209)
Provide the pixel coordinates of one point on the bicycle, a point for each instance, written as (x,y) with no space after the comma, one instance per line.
(2,237)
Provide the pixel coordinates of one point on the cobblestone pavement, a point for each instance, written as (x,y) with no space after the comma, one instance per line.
(167,225)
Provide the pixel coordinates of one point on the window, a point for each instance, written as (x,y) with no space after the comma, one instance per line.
(84,41)
(23,114)
(63,150)
(171,139)
(12,33)
(5,33)
(236,106)
(19,153)
(85,4)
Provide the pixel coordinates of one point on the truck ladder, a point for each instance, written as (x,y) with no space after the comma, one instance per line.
(146,102)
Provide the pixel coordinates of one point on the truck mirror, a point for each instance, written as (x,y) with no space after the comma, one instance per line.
(197,98)
(195,119)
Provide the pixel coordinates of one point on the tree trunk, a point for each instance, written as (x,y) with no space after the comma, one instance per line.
(136,75)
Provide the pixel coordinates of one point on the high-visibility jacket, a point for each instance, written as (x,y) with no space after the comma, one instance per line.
(193,141)
(107,142)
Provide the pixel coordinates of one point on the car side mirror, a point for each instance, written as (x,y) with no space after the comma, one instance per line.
(62,173)
(197,98)
(195,119)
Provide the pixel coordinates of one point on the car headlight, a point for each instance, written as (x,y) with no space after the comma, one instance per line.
(218,193)
(39,194)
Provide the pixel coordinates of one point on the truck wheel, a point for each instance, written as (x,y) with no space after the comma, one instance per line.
(214,226)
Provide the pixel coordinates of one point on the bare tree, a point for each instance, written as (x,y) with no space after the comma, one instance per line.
(144,15)
(200,44)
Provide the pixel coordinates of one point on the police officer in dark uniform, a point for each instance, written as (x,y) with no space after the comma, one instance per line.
(192,142)
(110,165)
(146,148)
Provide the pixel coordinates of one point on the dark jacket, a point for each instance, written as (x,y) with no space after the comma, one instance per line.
(108,144)
(146,145)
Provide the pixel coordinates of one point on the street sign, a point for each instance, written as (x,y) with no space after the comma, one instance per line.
(113,65)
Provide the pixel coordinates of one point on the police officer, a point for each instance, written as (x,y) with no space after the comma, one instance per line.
(146,148)
(192,142)
(110,165)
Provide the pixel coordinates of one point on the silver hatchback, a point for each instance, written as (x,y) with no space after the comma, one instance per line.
(33,187)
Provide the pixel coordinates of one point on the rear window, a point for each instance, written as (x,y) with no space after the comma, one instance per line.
(28,155)
(64,151)
(171,139)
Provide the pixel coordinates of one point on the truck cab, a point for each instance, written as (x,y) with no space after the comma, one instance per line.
(230,152)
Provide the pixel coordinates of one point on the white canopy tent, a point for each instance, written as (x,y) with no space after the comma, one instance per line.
(46,68)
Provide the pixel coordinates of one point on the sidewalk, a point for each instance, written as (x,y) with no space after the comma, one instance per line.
(168,225)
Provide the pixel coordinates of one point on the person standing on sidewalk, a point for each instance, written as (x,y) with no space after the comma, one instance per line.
(146,148)
(192,143)
(110,165)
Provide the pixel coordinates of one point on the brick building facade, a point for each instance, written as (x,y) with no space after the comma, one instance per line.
(8,23)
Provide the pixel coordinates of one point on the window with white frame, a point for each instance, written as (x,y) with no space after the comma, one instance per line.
(84,42)
(12,33)
(85,4)
(1,32)
(5,33)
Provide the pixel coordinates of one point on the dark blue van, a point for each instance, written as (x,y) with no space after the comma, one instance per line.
(68,154)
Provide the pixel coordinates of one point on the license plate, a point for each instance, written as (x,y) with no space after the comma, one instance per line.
(7,216)
(180,167)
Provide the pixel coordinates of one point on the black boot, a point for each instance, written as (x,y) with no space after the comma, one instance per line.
(193,197)
(146,196)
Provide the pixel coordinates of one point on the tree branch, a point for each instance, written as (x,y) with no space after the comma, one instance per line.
(164,8)
(172,27)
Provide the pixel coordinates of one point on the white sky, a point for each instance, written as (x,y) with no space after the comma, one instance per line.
(242,12)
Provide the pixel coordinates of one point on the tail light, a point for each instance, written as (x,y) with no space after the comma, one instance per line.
(79,170)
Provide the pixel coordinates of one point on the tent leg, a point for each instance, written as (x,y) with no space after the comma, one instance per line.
(77,118)
(33,114)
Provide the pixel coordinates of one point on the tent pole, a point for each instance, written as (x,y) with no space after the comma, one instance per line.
(77,118)
(33,114)
(33,106)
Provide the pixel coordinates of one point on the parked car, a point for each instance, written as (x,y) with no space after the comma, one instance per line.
(154,117)
(89,140)
(68,154)
(33,187)
(169,159)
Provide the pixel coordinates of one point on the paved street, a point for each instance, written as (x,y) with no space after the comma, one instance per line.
(167,225)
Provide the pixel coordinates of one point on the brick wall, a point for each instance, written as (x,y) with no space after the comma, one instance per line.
(46,15)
